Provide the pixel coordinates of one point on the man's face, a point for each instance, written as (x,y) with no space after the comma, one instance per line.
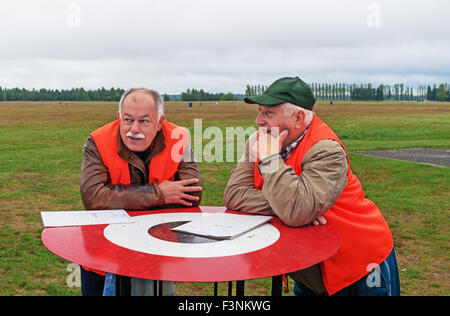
(139,121)
(274,118)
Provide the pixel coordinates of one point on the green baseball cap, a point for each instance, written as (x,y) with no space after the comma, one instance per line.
(288,89)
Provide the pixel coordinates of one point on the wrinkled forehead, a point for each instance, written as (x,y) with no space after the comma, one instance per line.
(139,103)
(140,97)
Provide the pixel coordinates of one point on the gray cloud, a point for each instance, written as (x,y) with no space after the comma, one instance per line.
(221,45)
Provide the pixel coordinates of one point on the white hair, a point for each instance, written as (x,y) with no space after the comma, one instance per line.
(159,101)
(290,109)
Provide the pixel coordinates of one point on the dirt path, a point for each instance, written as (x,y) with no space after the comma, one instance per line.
(436,157)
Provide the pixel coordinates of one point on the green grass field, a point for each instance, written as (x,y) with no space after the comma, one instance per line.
(41,151)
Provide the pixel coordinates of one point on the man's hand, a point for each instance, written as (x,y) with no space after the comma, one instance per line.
(176,191)
(269,142)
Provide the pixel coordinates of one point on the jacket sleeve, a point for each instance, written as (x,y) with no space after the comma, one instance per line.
(298,200)
(240,193)
(188,169)
(97,192)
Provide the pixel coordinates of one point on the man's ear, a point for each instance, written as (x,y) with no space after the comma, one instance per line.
(299,118)
(161,122)
(118,115)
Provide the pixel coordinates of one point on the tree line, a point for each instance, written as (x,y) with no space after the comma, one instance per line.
(322,91)
(80,94)
(201,95)
(367,92)
(74,94)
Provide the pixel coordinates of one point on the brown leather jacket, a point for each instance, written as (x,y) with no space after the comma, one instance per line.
(97,192)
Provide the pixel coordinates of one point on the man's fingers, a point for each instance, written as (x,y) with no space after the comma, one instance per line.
(192,189)
(183,202)
(319,221)
(283,135)
(322,220)
(188,181)
(189,197)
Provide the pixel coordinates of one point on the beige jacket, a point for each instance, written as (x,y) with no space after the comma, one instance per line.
(296,200)
(98,193)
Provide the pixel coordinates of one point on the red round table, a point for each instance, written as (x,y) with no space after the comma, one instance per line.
(295,249)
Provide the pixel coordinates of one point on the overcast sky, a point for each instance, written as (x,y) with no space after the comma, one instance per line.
(221,45)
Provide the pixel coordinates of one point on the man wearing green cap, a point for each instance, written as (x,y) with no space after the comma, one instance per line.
(295,167)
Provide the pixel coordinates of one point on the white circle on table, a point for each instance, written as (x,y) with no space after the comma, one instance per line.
(135,236)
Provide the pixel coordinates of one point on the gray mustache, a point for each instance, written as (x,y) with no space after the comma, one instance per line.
(138,135)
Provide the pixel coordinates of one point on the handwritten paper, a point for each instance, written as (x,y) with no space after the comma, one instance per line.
(76,218)
(222,225)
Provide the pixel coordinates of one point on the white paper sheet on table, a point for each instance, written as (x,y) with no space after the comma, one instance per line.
(76,218)
(222,225)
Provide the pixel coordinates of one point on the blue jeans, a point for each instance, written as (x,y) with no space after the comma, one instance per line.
(91,283)
(383,280)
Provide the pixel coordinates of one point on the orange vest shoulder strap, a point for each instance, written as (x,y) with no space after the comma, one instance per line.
(165,164)
(106,140)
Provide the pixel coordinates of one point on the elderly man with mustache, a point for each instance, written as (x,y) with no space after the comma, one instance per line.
(137,162)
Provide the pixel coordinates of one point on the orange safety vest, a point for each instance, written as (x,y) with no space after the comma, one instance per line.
(366,237)
(162,167)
